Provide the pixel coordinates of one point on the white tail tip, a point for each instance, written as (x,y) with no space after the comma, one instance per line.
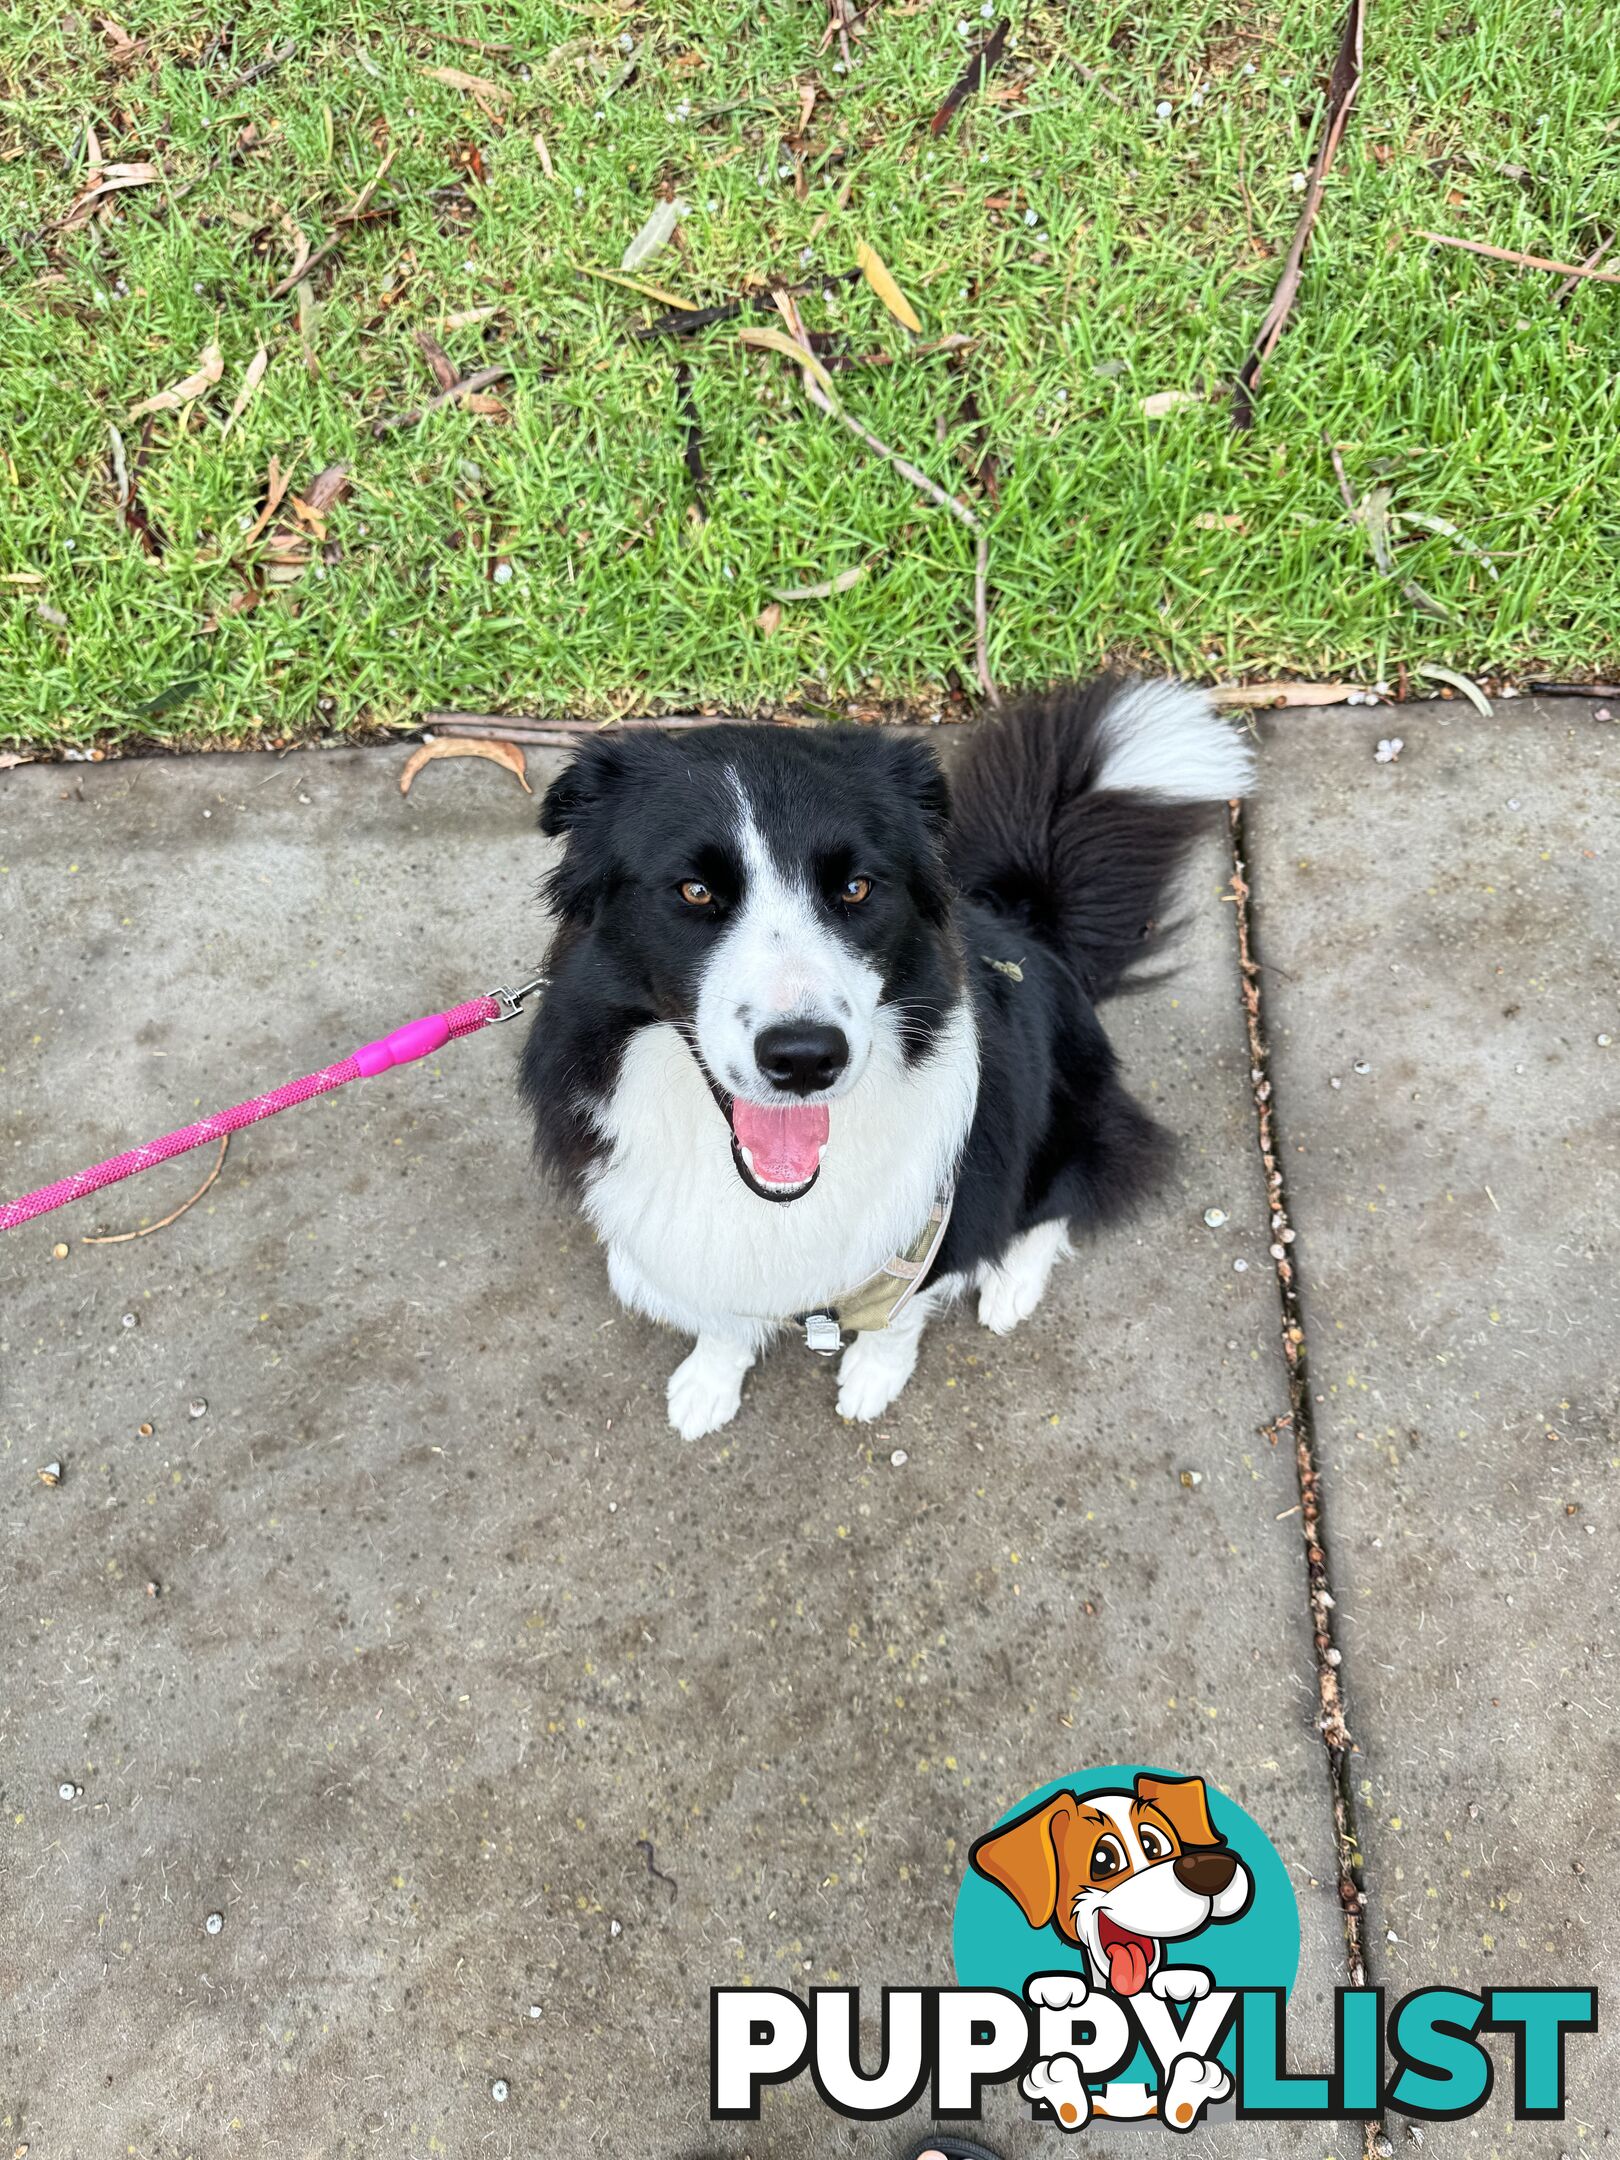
(1166,738)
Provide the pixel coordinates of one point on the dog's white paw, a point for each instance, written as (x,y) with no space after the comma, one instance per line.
(872,1371)
(1180,1983)
(1193,2085)
(1006,1299)
(1058,2082)
(1011,1290)
(705,1390)
(1057,1991)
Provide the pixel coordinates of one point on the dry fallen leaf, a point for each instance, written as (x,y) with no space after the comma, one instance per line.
(464,318)
(841,583)
(1164,402)
(8,758)
(544,155)
(250,382)
(106,180)
(876,273)
(1216,520)
(209,369)
(276,486)
(477,83)
(1286,693)
(1470,690)
(501,753)
(778,341)
(655,234)
(769,619)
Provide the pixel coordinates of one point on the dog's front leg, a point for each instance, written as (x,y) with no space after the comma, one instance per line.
(877,1364)
(705,1389)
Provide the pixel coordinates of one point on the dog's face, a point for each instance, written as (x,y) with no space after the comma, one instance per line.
(1120,1873)
(780,897)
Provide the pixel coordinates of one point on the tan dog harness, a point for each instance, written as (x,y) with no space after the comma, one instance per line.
(875,1303)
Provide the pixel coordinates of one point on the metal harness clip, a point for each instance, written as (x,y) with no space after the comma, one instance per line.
(511,1001)
(822,1334)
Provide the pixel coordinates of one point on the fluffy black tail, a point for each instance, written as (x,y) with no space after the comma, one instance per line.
(1074,813)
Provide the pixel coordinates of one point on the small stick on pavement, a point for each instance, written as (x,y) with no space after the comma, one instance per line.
(123,1237)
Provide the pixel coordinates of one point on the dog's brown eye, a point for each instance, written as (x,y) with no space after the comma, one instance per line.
(856,890)
(1154,1843)
(696,894)
(1108,1860)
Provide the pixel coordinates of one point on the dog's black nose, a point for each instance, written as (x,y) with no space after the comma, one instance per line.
(1205,1872)
(801,1056)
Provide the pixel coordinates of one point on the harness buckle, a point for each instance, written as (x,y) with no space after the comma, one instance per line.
(511,1001)
(822,1334)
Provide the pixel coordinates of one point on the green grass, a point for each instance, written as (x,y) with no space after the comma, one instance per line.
(1462,386)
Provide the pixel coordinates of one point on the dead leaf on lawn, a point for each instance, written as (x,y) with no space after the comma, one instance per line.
(544,155)
(1373,517)
(106,180)
(769,619)
(1164,402)
(778,341)
(480,85)
(8,758)
(1470,690)
(276,486)
(251,380)
(500,753)
(1220,520)
(876,273)
(209,369)
(656,233)
(1448,531)
(464,318)
(841,583)
(445,372)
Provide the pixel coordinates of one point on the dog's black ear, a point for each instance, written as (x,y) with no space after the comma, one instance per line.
(577,808)
(584,783)
(913,765)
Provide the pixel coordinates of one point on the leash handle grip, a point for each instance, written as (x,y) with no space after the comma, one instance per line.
(416,1039)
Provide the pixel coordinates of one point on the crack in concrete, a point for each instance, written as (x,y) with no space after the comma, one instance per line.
(1333,1722)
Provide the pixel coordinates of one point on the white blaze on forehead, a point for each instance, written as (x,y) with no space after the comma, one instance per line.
(1117,1807)
(778,958)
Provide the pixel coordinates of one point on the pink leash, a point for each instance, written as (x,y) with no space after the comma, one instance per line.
(416,1039)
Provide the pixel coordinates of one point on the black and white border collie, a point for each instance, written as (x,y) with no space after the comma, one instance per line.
(799,990)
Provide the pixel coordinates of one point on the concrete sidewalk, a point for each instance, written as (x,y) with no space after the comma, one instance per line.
(470,1691)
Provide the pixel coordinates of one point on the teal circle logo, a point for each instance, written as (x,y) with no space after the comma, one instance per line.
(1123,1874)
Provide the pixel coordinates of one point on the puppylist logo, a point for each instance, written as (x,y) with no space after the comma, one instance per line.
(1125,1944)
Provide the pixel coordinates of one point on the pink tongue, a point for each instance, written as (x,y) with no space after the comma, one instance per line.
(786,1142)
(1127,1967)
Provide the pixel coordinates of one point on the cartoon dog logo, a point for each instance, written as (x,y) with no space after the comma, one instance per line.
(1119,1875)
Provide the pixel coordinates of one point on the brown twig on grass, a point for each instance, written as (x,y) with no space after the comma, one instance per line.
(1561,297)
(567,734)
(918,478)
(351,214)
(1525,262)
(684,323)
(479,379)
(1343,84)
(122,1237)
(972,76)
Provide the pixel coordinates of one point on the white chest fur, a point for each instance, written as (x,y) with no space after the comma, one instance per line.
(688,1242)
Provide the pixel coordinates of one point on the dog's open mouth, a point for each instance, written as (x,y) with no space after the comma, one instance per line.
(1129,1955)
(777,1146)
